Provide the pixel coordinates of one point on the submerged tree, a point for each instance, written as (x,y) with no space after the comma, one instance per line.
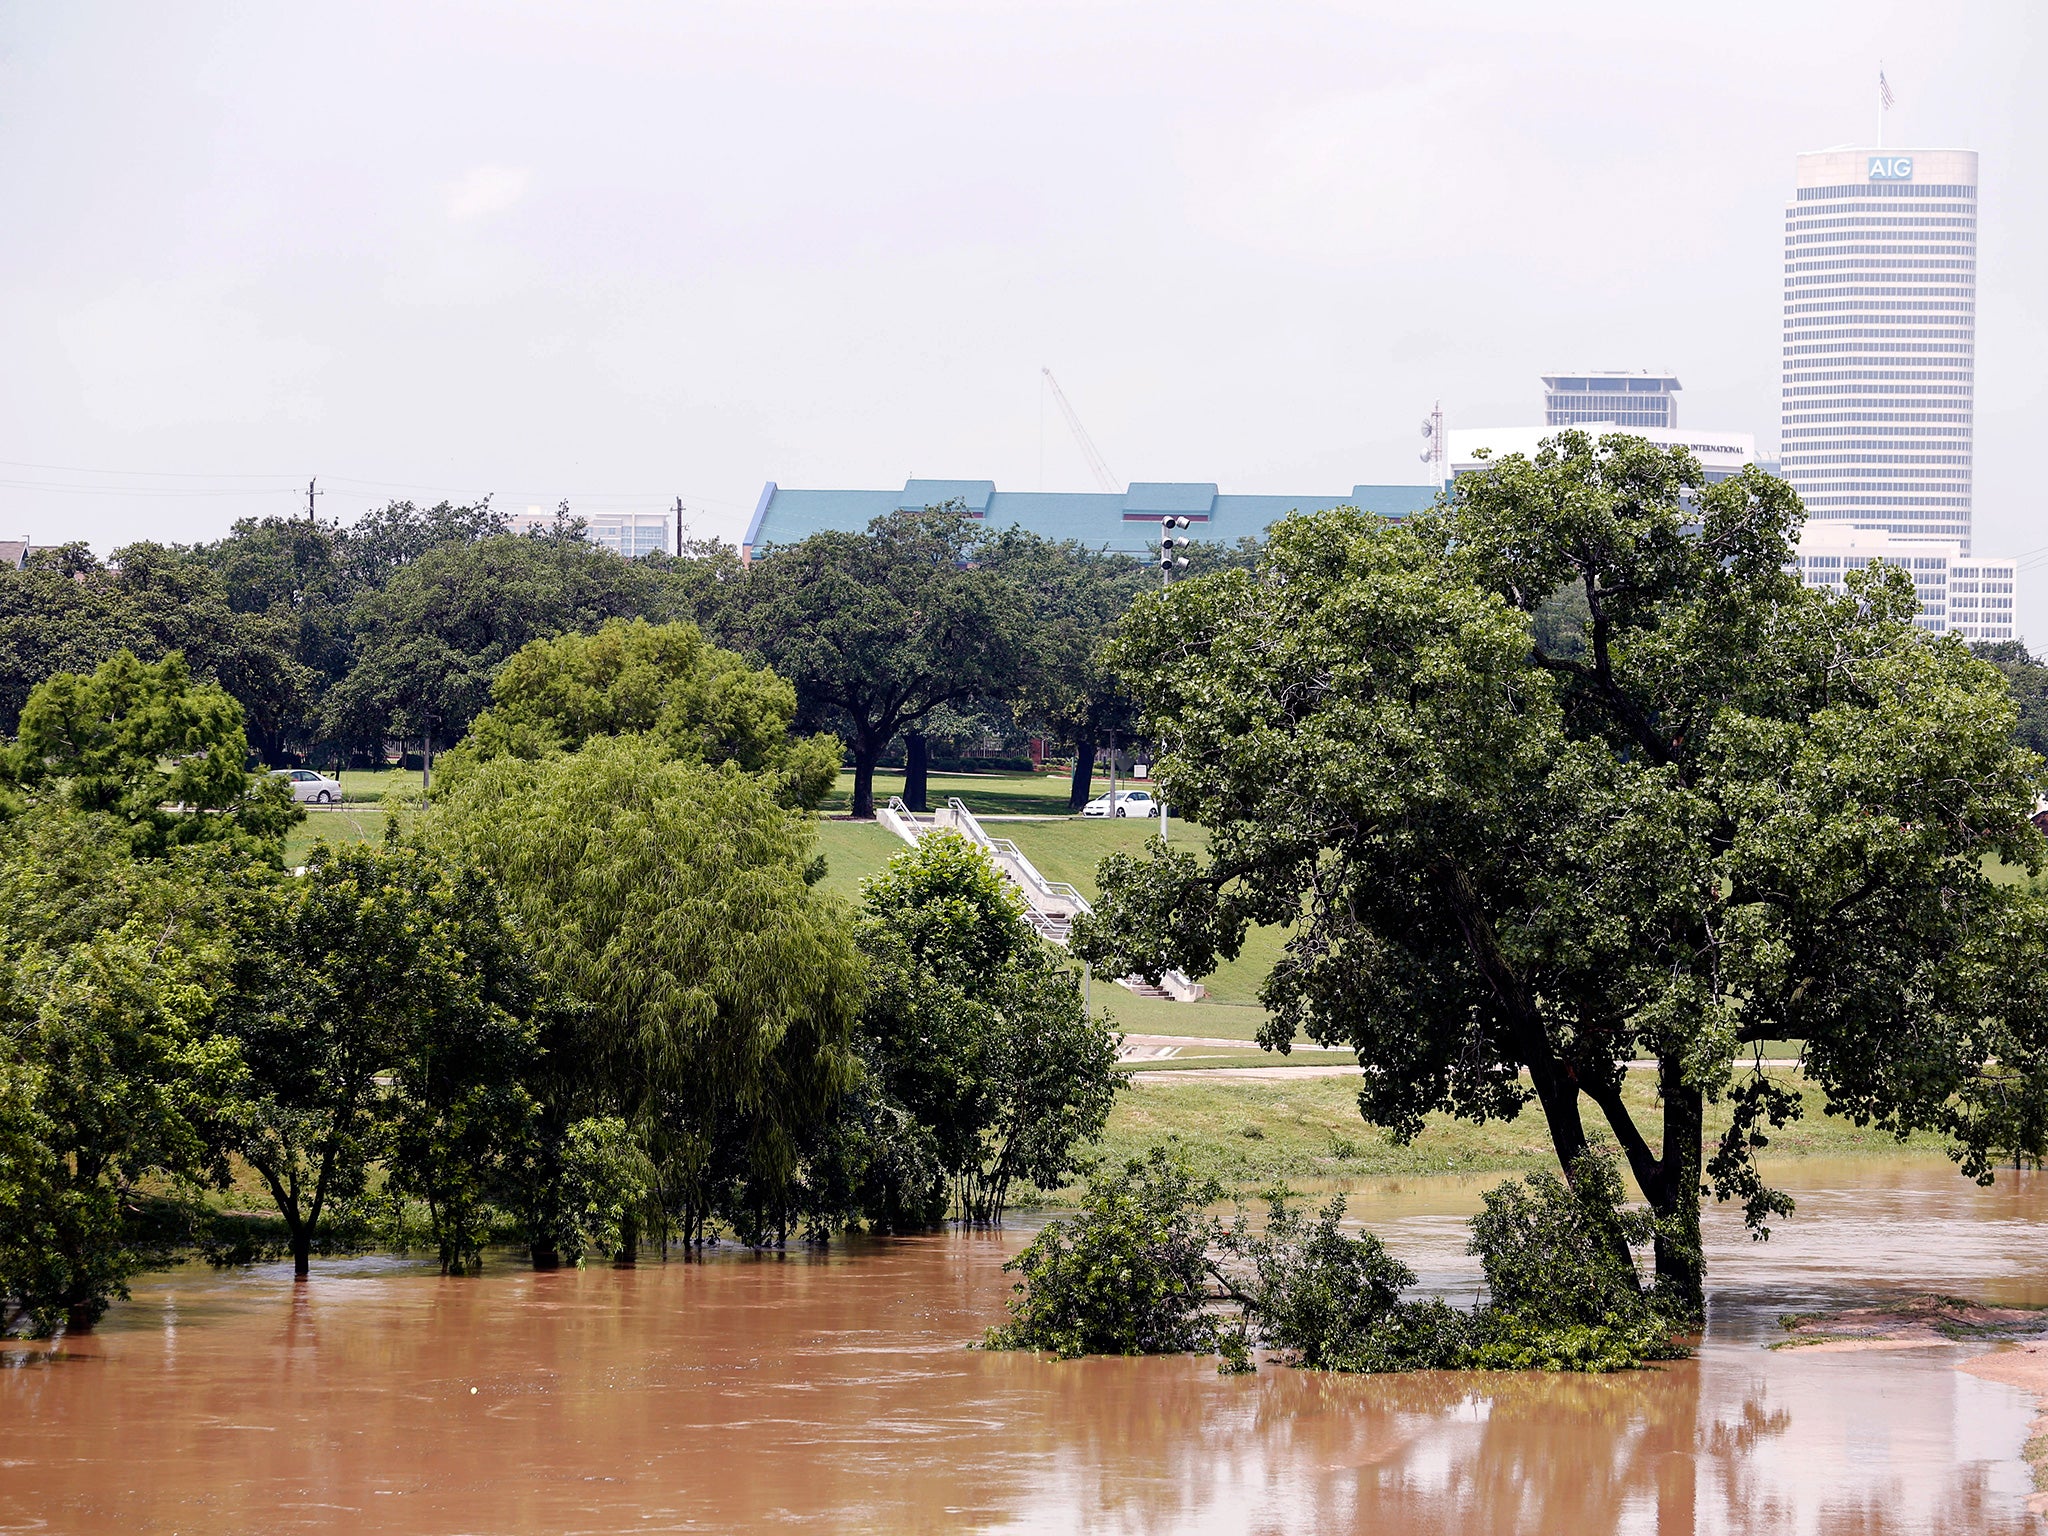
(387,1001)
(977,1029)
(1725,809)
(698,990)
(114,1066)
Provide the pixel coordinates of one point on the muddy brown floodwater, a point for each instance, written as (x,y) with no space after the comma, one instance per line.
(833,1392)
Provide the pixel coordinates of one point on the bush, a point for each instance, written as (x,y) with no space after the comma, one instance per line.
(1127,1276)
(1562,1287)
(1124,1277)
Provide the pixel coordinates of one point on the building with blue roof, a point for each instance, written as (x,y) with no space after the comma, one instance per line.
(1126,521)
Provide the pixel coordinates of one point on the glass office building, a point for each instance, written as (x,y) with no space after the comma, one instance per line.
(1626,399)
(1880,339)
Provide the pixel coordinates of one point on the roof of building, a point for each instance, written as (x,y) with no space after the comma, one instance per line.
(1115,520)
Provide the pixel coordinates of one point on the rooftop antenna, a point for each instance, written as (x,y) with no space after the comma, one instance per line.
(1089,451)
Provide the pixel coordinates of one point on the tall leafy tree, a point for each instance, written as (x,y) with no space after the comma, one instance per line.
(113,1062)
(428,641)
(2027,678)
(1738,810)
(1075,597)
(149,746)
(978,1031)
(67,612)
(702,703)
(699,990)
(389,1013)
(878,629)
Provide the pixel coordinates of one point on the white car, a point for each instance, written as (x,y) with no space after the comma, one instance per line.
(1129,802)
(309,787)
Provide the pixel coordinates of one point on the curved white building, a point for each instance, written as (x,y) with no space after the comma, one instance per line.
(1880,339)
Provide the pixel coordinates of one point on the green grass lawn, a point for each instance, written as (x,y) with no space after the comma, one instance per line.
(854,850)
(1254,1134)
(350,824)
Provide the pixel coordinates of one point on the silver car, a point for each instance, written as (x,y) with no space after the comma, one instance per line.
(310,788)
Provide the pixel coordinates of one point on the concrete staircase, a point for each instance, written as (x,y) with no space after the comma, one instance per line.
(1050,905)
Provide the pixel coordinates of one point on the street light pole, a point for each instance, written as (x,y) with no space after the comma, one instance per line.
(1172,540)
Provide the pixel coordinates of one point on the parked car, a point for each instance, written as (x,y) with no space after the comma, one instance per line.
(1129,802)
(309,787)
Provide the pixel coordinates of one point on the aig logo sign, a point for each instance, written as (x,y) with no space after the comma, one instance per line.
(1891,167)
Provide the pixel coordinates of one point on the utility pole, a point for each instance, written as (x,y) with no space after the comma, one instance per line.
(310,494)
(679,527)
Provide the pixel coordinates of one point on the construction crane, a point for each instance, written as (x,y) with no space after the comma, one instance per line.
(1089,451)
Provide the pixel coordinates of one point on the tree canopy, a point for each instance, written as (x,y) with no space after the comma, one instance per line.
(149,746)
(977,1030)
(879,629)
(1729,810)
(702,703)
(698,988)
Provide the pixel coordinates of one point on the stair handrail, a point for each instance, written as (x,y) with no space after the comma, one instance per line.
(1031,879)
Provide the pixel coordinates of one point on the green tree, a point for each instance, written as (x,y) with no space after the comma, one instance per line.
(391,1003)
(428,641)
(67,612)
(2027,678)
(1127,1275)
(698,988)
(1737,810)
(1075,596)
(703,704)
(149,746)
(878,629)
(978,1029)
(112,1061)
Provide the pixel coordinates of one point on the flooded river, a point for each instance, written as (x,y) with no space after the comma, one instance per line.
(832,1392)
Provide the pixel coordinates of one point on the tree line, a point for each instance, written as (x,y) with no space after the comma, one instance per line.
(339,641)
(588,999)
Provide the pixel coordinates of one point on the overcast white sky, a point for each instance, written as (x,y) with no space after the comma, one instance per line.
(623,253)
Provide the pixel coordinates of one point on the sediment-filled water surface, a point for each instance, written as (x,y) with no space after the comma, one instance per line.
(834,1392)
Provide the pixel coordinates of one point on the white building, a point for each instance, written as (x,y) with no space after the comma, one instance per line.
(1721,454)
(1628,400)
(1958,593)
(631,534)
(1879,361)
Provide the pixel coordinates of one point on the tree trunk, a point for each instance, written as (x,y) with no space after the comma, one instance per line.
(865,753)
(1084,773)
(629,1243)
(916,769)
(302,1253)
(1681,1266)
(545,1257)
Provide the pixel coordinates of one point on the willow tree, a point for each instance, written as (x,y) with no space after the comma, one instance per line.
(1720,809)
(697,987)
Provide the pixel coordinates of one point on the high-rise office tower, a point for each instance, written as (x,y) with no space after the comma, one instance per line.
(1880,339)
(1626,399)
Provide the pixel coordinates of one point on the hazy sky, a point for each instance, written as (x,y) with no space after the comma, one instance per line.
(624,253)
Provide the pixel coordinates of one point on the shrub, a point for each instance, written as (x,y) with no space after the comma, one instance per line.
(1124,1277)
(1562,1289)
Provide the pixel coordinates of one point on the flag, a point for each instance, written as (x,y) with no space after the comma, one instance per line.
(1884,89)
